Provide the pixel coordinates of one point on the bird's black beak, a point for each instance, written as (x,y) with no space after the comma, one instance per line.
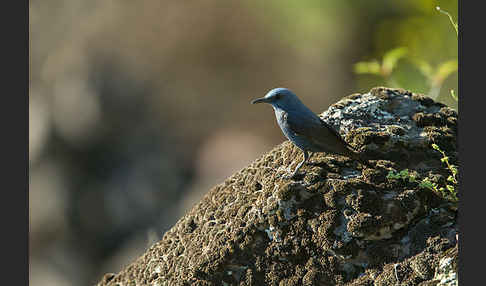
(260,100)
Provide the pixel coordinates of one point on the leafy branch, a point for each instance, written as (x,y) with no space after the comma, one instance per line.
(385,68)
(435,76)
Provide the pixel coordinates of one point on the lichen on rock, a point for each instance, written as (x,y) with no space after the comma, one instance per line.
(340,223)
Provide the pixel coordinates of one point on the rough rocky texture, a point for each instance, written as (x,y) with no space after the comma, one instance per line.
(340,223)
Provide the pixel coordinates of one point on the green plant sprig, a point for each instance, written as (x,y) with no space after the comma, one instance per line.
(449,191)
(450,188)
(403,175)
(452,168)
(454,24)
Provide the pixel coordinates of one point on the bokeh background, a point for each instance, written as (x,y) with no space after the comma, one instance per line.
(137,108)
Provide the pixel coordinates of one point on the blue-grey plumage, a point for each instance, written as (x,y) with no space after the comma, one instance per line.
(302,127)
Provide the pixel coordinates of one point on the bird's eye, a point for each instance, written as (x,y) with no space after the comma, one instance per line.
(277,96)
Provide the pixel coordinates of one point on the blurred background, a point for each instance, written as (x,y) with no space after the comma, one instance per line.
(137,108)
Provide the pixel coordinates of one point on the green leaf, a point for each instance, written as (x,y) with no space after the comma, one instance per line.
(403,173)
(427,184)
(391,58)
(453,169)
(372,67)
(454,95)
(424,67)
(444,70)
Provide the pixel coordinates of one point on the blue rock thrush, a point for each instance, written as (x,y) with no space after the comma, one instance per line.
(304,128)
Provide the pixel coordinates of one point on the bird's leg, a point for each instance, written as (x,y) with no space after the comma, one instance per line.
(306,157)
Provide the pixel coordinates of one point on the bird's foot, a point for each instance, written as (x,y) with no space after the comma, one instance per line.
(294,173)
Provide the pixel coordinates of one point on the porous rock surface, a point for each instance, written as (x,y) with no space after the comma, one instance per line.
(338,223)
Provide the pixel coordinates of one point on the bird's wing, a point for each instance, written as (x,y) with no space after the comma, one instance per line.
(337,134)
(318,133)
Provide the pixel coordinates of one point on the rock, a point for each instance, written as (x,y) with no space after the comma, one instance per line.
(342,223)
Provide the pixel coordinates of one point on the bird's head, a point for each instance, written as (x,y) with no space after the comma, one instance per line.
(279,98)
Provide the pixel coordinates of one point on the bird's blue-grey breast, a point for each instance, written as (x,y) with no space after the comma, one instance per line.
(301,126)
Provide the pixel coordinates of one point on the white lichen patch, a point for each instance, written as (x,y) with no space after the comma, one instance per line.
(368,112)
(446,274)
(273,234)
(356,112)
(350,173)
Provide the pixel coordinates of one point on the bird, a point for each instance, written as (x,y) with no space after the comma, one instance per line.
(303,127)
